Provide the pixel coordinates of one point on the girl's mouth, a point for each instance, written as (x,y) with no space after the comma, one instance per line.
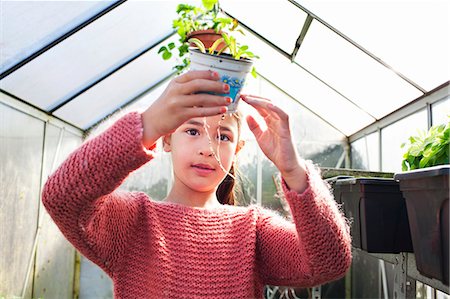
(203,166)
(203,169)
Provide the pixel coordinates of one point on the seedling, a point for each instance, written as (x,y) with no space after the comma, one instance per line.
(427,148)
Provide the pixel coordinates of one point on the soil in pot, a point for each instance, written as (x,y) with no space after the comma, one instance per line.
(208,38)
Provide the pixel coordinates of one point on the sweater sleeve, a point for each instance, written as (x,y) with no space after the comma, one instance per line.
(314,249)
(81,195)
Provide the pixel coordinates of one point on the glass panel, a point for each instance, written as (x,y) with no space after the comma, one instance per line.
(309,91)
(440,112)
(55,259)
(113,92)
(366,153)
(364,81)
(53,157)
(394,135)
(315,139)
(94,283)
(441,295)
(154,178)
(76,62)
(28,26)
(21,139)
(281,28)
(411,37)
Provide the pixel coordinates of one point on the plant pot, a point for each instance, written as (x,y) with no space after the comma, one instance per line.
(426,192)
(231,71)
(208,38)
(378,212)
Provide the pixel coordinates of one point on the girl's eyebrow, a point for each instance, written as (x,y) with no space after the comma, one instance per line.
(200,124)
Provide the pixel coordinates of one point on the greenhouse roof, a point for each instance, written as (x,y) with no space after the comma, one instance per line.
(349,62)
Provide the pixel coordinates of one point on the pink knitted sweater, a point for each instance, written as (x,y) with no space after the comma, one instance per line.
(156,249)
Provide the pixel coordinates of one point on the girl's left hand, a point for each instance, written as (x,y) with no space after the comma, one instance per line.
(276,142)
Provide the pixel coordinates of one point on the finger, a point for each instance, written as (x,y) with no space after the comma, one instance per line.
(279,112)
(205,100)
(259,104)
(204,85)
(249,96)
(192,75)
(254,126)
(205,111)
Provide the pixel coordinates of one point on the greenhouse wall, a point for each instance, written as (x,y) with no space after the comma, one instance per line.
(35,259)
(379,148)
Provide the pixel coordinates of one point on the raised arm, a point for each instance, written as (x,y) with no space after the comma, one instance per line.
(314,249)
(80,195)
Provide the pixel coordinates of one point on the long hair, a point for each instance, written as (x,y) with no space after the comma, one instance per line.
(226,191)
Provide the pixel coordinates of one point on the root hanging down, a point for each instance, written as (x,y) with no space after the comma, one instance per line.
(216,154)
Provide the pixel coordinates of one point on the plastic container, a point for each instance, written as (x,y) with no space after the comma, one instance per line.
(231,71)
(378,214)
(426,192)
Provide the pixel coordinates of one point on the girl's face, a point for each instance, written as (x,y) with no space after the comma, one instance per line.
(193,153)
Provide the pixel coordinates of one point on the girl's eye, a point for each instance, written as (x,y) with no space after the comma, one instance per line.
(224,138)
(193,132)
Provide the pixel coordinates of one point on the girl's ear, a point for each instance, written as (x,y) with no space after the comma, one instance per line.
(239,146)
(166,143)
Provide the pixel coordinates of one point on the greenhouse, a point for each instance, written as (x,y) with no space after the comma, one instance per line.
(360,87)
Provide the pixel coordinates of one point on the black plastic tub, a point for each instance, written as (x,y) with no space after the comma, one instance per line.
(426,192)
(378,214)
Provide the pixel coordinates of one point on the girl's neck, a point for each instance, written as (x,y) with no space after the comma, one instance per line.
(192,198)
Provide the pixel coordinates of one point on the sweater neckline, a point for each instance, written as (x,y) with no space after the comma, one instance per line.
(191,210)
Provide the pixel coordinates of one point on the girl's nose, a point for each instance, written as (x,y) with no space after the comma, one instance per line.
(206,152)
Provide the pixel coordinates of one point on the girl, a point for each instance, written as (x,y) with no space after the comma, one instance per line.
(190,245)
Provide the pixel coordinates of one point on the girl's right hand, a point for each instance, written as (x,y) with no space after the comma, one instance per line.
(182,101)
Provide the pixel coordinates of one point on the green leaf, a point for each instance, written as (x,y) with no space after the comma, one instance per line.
(423,162)
(171,46)
(163,48)
(404,165)
(185,8)
(166,55)
(254,73)
(415,150)
(209,4)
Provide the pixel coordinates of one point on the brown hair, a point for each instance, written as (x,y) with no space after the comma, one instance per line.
(225,192)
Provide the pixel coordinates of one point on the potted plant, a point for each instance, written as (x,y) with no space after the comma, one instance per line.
(424,183)
(233,67)
(203,23)
(207,43)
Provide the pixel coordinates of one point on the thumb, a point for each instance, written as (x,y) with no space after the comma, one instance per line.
(254,126)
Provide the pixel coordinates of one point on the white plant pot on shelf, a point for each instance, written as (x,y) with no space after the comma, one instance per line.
(231,71)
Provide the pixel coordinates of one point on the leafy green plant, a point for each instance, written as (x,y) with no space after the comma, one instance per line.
(427,148)
(235,50)
(192,18)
